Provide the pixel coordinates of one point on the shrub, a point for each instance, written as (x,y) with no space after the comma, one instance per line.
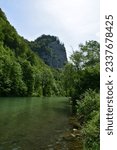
(88,114)
(88,104)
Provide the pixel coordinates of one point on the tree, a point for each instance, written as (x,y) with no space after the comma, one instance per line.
(82,75)
(83,72)
(11,83)
(46,82)
(87,55)
(68,78)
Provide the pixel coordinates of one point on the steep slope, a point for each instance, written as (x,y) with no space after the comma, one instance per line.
(50,50)
(22,72)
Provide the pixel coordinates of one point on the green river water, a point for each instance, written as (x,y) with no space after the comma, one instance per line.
(32,123)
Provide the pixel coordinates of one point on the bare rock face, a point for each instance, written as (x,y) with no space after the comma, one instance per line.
(50,50)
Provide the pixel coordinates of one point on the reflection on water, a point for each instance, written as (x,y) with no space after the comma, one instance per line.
(31,123)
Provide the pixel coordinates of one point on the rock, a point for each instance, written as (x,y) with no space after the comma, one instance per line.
(73,135)
(51,148)
(57,142)
(75,130)
(59,139)
(50,49)
(68,136)
(16,148)
(50,145)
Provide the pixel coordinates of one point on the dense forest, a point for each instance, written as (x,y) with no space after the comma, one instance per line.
(22,72)
(37,69)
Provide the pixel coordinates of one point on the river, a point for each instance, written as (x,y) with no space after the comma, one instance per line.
(32,123)
(36,124)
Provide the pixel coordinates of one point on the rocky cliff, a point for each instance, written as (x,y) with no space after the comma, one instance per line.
(50,50)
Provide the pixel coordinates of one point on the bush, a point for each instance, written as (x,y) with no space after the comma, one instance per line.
(89,104)
(88,114)
(91,133)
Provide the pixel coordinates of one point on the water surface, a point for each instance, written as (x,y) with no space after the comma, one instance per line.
(32,123)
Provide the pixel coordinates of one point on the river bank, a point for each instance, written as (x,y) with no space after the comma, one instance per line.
(70,139)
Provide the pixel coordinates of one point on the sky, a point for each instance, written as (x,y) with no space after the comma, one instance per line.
(72,21)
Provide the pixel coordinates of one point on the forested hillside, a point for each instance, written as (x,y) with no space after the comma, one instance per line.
(22,72)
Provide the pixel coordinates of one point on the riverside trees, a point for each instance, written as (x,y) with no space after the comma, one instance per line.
(82,84)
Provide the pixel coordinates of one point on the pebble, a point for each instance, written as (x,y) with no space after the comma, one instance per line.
(57,142)
(51,148)
(50,145)
(73,135)
(16,148)
(75,130)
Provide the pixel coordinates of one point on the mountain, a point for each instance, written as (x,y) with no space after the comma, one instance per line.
(22,71)
(50,50)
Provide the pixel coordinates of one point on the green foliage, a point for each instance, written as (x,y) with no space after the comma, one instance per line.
(81,80)
(88,105)
(83,72)
(2,14)
(68,79)
(91,133)
(58,87)
(88,114)
(87,55)
(46,82)
(87,78)
(10,74)
(22,72)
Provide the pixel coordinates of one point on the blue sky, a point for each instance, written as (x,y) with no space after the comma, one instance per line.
(73,21)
